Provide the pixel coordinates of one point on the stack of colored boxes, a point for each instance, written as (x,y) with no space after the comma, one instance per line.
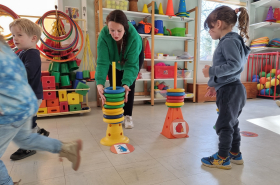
(116,4)
(62,101)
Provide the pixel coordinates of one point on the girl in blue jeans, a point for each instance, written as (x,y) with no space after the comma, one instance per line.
(18,104)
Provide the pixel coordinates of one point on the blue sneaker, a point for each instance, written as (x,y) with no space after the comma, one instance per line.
(236,159)
(215,161)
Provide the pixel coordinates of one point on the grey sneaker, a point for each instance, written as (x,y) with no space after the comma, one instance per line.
(71,151)
(128,123)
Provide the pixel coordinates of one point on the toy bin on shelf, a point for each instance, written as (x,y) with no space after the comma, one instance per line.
(184,73)
(160,93)
(164,72)
(181,32)
(116,4)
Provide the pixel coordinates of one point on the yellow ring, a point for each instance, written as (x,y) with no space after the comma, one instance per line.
(174,104)
(114,103)
(114,114)
(113,120)
(175,90)
(111,110)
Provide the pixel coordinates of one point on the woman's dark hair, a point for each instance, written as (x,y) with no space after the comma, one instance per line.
(119,17)
(229,16)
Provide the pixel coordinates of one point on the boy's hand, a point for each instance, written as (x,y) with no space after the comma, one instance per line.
(100,90)
(211,92)
(126,93)
(205,71)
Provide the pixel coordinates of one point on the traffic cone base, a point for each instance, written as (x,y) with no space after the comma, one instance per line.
(114,134)
(172,114)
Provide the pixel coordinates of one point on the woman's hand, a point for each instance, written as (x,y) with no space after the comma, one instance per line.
(126,93)
(211,92)
(205,71)
(100,90)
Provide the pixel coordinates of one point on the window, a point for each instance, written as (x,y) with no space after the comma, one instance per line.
(207,45)
(25,7)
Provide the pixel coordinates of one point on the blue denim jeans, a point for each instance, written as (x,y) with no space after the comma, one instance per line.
(20,132)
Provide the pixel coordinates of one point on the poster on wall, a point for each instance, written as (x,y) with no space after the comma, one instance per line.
(72,12)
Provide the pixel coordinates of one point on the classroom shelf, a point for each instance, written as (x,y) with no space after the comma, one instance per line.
(266,3)
(264,50)
(271,25)
(170,60)
(142,15)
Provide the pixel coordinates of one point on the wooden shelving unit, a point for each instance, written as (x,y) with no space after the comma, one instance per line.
(145,95)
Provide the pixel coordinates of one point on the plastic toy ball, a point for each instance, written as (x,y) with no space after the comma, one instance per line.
(262,74)
(256,80)
(263,80)
(273,82)
(260,87)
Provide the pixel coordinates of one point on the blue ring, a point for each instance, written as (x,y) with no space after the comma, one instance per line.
(175,94)
(113,117)
(109,90)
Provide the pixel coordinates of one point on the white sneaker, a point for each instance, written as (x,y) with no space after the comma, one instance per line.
(278,103)
(128,123)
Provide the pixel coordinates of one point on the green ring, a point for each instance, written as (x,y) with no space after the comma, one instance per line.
(174,107)
(113,106)
(119,95)
(114,99)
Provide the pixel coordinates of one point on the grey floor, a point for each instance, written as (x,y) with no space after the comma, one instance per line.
(156,160)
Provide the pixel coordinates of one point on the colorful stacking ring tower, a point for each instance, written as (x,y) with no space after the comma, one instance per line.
(175,126)
(113,113)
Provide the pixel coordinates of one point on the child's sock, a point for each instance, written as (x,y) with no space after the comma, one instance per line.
(222,157)
(233,153)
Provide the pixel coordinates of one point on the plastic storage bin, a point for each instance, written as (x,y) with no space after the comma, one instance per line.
(160,93)
(164,72)
(181,32)
(184,73)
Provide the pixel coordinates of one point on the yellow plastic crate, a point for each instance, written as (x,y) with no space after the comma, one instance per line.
(73,98)
(62,96)
(43,110)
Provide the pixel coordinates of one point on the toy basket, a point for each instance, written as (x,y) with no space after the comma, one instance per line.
(181,32)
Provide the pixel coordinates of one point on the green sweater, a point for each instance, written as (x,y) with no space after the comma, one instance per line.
(107,51)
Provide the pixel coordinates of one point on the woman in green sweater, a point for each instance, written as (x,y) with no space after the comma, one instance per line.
(119,42)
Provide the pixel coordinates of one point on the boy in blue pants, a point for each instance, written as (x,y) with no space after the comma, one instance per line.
(18,104)
(26,34)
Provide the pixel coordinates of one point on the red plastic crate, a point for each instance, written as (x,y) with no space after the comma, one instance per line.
(64,106)
(49,95)
(45,73)
(164,72)
(43,104)
(53,103)
(48,82)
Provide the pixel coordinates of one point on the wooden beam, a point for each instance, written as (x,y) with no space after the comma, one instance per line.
(195,53)
(152,57)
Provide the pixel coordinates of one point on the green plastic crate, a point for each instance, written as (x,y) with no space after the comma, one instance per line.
(76,107)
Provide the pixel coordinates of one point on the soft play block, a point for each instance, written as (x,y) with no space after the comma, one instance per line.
(82,86)
(48,81)
(43,104)
(43,110)
(76,107)
(73,98)
(45,73)
(62,96)
(53,109)
(64,106)
(81,98)
(76,82)
(53,103)
(49,95)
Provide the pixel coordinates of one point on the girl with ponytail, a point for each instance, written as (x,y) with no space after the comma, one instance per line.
(119,42)
(224,82)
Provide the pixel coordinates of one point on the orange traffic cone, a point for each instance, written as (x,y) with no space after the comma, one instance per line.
(277,15)
(148,50)
(170,9)
(175,126)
